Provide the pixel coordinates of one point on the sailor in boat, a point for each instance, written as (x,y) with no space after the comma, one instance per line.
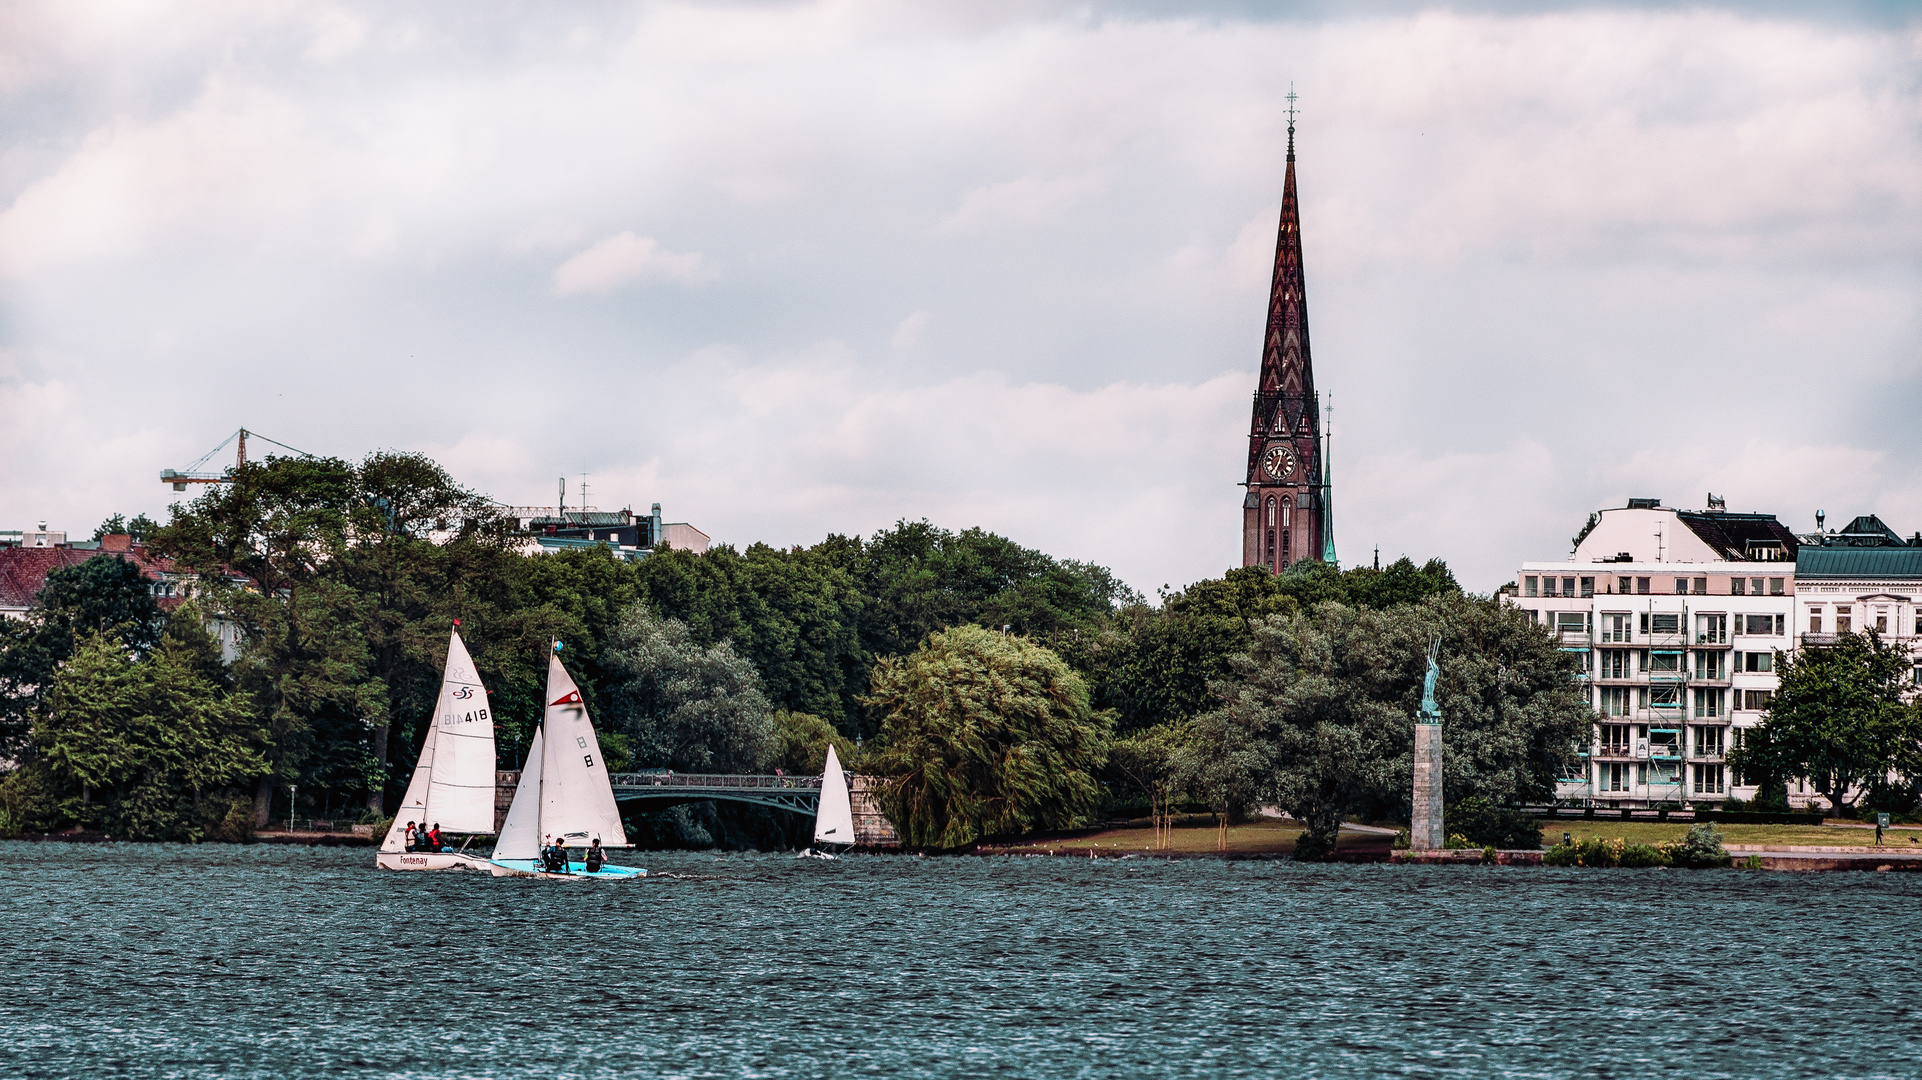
(434,842)
(413,837)
(596,858)
(554,857)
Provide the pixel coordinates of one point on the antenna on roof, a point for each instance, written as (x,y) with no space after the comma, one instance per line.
(1716,502)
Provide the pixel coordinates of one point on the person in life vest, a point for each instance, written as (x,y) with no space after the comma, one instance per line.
(554,857)
(433,838)
(413,838)
(596,858)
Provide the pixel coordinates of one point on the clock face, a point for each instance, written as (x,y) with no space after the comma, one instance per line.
(1278,463)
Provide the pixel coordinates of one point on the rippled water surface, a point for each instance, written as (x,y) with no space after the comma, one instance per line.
(139,960)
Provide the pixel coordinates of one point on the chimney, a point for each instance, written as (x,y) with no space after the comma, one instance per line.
(116,542)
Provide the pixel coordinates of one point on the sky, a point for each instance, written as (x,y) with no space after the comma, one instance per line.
(793,269)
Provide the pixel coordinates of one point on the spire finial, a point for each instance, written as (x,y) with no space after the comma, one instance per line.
(1291,121)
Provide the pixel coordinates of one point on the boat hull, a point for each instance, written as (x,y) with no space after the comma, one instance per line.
(430,860)
(577,871)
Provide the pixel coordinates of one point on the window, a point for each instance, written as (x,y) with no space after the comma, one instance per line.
(1529,586)
(1287,553)
(1568,586)
(1615,627)
(1815,619)
(1881,623)
(1615,664)
(1775,586)
(1641,585)
(1665,661)
(1664,623)
(1615,703)
(1286,504)
(1709,665)
(1757,700)
(1664,742)
(1271,511)
(1612,776)
(1762,625)
(1755,585)
(1548,586)
(1758,662)
(1588,586)
(1664,697)
(1708,740)
(1711,629)
(1621,586)
(1571,622)
(1701,586)
(1843,618)
(1737,586)
(1681,586)
(1581,659)
(1708,703)
(1709,780)
(1615,738)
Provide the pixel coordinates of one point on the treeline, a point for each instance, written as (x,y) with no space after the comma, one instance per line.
(123,718)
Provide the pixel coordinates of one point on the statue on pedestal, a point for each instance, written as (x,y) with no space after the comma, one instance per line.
(1425,825)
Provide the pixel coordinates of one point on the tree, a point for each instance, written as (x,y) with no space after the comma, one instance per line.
(984,734)
(683,706)
(1154,762)
(1319,716)
(1837,719)
(137,746)
(802,741)
(104,595)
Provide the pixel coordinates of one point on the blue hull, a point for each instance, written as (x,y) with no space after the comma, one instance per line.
(535,868)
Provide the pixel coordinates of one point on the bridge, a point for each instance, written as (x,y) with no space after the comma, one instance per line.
(796,794)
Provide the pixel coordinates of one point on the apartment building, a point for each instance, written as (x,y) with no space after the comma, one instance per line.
(1675,617)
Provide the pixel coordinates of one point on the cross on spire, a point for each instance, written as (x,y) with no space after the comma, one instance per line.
(1291,121)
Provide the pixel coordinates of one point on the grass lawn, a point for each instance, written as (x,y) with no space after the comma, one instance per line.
(1194,834)
(1655,832)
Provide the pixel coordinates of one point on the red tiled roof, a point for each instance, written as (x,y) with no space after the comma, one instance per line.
(24,570)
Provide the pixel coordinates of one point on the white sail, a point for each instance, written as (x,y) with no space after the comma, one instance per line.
(460,789)
(413,805)
(521,833)
(834,817)
(577,796)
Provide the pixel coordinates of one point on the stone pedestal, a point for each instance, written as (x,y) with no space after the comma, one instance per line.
(1425,829)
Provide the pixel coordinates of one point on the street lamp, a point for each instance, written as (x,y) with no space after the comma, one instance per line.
(292,791)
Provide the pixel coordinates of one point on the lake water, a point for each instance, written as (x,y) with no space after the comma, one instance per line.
(216,961)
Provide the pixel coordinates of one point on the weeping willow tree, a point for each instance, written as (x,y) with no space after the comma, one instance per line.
(984,735)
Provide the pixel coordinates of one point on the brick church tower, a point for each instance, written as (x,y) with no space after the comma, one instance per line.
(1286,515)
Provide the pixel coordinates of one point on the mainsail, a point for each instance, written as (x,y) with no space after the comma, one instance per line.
(413,805)
(577,796)
(834,817)
(460,787)
(521,833)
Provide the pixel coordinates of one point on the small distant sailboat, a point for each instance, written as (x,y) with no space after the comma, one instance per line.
(453,782)
(564,791)
(834,815)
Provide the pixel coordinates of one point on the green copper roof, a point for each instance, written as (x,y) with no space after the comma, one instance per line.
(1858,562)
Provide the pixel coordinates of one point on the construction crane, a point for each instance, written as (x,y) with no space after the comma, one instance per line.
(193,474)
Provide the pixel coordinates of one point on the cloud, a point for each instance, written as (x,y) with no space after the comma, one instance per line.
(622,258)
(908,333)
(1028,201)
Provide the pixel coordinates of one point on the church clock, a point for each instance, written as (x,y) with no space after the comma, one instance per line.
(1278,463)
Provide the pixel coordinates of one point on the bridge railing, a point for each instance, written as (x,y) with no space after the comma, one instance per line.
(714,780)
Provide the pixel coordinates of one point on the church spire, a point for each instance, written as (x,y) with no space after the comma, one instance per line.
(1284,514)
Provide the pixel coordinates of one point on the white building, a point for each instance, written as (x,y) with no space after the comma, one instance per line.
(1676,617)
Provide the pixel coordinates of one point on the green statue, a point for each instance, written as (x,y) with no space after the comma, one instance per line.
(1430,712)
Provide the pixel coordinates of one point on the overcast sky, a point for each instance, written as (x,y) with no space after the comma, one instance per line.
(793,269)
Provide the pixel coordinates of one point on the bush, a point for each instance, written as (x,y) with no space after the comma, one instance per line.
(1700,849)
(1638,855)
(1562,855)
(1488,825)
(1310,847)
(228,818)
(1599,852)
(27,803)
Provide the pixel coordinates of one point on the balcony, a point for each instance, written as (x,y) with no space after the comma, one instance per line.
(1573,637)
(1711,641)
(1818,639)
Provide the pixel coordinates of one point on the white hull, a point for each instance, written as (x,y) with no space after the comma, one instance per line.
(436,860)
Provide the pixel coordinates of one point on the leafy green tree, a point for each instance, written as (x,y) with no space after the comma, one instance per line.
(802,742)
(104,595)
(683,706)
(136,746)
(140,528)
(1153,763)
(1838,718)
(1319,716)
(984,734)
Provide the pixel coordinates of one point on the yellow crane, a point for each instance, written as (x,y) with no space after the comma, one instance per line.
(195,474)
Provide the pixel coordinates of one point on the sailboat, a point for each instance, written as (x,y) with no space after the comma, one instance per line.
(834,815)
(564,793)
(453,782)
